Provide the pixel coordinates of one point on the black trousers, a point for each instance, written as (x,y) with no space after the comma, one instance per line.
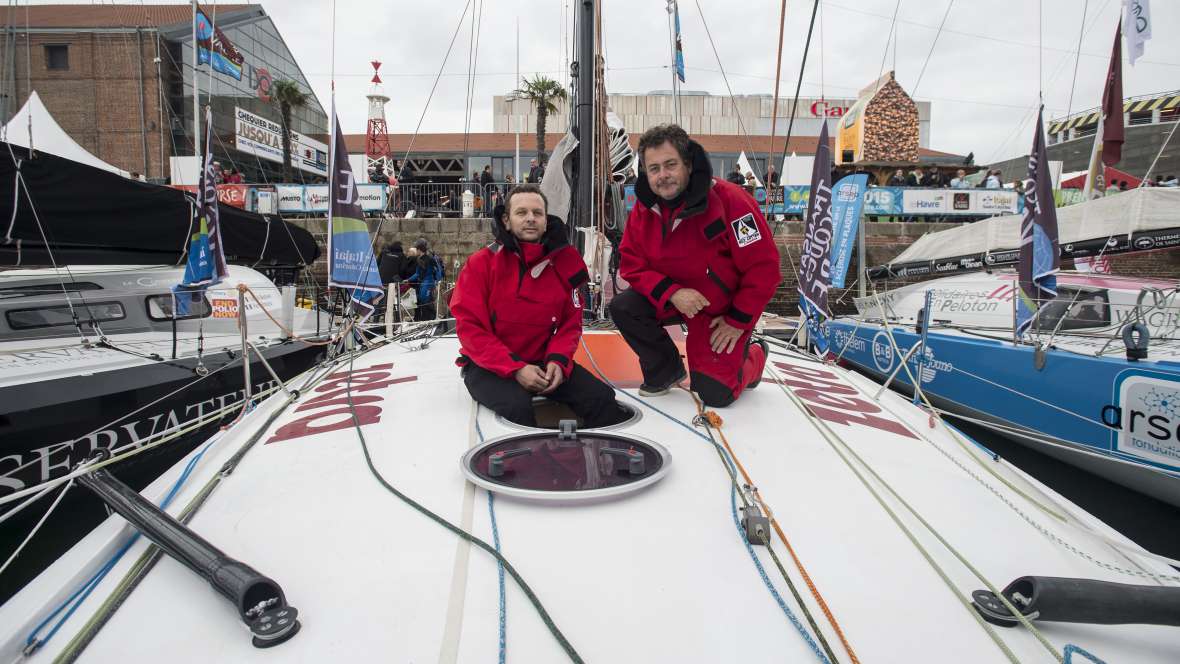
(636,320)
(590,398)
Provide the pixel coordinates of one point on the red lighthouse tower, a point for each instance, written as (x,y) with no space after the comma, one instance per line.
(377,136)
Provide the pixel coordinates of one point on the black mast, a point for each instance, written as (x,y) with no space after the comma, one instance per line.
(583,71)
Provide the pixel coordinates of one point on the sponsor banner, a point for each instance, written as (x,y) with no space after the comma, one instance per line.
(1147,425)
(256,135)
(893,201)
(224,308)
(846,208)
(227,194)
(372,197)
(290,198)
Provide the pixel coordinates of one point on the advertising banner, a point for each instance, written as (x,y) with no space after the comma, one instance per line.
(371,197)
(258,136)
(227,194)
(847,202)
(290,198)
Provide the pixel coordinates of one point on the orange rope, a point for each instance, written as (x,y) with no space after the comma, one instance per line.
(715,421)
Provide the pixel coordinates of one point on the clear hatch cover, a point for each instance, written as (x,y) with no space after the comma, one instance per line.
(550,465)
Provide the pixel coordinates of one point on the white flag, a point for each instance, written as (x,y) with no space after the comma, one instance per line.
(1136,27)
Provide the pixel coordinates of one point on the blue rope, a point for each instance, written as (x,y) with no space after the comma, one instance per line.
(733,509)
(499,565)
(1070,649)
(74,601)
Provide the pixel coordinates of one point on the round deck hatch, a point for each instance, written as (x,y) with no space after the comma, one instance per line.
(551,465)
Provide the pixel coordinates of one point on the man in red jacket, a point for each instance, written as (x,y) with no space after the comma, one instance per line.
(696,250)
(519,320)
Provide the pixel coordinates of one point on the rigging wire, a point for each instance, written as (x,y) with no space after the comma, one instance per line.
(892,36)
(945,14)
(737,113)
(799,82)
(778,66)
(1077,59)
(418,127)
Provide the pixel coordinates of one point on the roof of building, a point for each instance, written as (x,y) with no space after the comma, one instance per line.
(107,16)
(490,142)
(1164,101)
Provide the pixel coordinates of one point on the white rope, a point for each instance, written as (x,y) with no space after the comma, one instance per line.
(44,518)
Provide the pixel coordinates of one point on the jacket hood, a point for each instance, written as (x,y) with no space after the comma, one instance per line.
(696,196)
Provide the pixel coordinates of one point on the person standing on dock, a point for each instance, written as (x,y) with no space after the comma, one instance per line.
(696,249)
(519,319)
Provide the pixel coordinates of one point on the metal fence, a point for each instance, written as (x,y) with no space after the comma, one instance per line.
(445,199)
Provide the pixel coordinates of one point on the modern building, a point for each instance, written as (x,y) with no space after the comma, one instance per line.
(700,113)
(119,80)
(1148,121)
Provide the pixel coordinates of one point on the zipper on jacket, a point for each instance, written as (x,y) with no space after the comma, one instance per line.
(717,280)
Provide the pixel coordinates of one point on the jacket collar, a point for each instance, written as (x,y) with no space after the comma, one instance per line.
(696,197)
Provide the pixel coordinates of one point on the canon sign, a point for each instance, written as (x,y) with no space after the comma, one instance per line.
(824,109)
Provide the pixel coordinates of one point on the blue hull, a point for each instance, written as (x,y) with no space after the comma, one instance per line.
(1062,406)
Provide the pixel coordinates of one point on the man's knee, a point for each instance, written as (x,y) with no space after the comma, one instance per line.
(713,393)
(630,304)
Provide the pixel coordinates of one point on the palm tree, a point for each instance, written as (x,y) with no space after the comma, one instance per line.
(287,94)
(542,92)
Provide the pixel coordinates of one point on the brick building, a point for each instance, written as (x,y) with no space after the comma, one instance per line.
(118,79)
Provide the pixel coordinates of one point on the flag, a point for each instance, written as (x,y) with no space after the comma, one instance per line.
(679,46)
(1040,258)
(352,265)
(213,47)
(815,263)
(1136,27)
(847,202)
(1112,105)
(1108,139)
(205,265)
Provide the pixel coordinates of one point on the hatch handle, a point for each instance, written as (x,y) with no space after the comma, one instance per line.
(636,464)
(497,459)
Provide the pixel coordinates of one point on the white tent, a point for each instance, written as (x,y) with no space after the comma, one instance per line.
(48,136)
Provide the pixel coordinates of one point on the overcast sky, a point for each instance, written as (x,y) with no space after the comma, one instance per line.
(982,78)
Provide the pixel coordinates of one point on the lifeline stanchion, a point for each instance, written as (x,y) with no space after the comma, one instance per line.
(245,344)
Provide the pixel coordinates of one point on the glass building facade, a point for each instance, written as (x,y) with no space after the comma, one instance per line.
(266,60)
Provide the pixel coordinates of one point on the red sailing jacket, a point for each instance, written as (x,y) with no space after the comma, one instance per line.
(717,242)
(514,304)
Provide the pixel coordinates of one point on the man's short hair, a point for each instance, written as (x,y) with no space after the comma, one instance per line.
(420,244)
(525,188)
(666,133)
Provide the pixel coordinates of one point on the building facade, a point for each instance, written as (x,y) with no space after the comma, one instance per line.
(700,113)
(1148,122)
(119,80)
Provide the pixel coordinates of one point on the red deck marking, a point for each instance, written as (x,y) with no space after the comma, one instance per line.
(830,400)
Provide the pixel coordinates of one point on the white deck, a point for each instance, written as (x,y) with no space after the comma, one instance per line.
(662,576)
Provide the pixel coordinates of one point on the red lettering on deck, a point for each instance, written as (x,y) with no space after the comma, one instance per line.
(333,394)
(818,390)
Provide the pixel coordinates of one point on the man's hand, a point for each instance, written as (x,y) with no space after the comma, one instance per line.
(555,376)
(531,378)
(724,336)
(688,301)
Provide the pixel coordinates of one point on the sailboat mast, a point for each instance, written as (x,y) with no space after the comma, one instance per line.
(196,92)
(584,118)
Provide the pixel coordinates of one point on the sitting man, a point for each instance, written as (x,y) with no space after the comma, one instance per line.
(696,249)
(519,320)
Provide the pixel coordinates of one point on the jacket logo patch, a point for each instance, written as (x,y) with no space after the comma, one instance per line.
(577,300)
(745,229)
(539,268)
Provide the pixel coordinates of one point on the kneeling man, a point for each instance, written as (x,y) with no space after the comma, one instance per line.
(519,320)
(696,249)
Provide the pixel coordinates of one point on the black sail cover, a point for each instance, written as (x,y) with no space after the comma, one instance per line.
(94,217)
